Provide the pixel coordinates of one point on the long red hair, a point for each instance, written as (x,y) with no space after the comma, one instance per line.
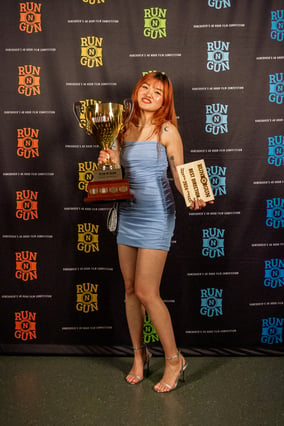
(164,114)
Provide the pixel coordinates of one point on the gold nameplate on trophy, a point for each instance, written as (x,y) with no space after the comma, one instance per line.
(195,182)
(103,121)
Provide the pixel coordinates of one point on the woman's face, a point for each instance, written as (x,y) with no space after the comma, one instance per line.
(151,95)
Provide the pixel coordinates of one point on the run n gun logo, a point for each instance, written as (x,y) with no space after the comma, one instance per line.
(149,333)
(91,51)
(216,119)
(28,143)
(25,325)
(277,25)
(86,174)
(26,205)
(88,237)
(155,23)
(218,56)
(26,265)
(29,80)
(87,297)
(272,330)
(276,88)
(274,273)
(276,150)
(213,242)
(30,17)
(211,302)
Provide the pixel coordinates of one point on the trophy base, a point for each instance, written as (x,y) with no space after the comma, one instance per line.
(110,190)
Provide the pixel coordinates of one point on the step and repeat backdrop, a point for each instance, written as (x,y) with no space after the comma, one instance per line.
(61,289)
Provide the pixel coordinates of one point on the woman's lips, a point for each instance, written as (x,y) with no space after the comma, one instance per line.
(146,100)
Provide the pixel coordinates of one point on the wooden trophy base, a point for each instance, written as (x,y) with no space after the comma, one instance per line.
(108,190)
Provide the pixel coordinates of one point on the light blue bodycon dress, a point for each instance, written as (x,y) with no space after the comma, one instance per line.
(148,220)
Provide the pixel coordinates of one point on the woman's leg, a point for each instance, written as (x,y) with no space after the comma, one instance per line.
(149,269)
(135,311)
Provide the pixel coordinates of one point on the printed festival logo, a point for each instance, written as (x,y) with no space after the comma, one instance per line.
(29,80)
(277,25)
(276,88)
(211,302)
(86,174)
(275,213)
(218,56)
(213,242)
(28,143)
(276,150)
(217,177)
(216,119)
(274,273)
(219,4)
(87,297)
(272,330)
(149,332)
(26,266)
(88,238)
(91,51)
(155,23)
(30,17)
(25,325)
(26,205)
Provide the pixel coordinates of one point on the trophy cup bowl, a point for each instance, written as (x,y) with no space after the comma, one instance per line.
(103,121)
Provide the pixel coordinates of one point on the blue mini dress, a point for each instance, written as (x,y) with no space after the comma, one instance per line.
(148,220)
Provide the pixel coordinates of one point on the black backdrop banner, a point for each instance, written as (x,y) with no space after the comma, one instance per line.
(61,288)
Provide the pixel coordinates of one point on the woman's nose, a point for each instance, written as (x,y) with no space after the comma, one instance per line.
(149,91)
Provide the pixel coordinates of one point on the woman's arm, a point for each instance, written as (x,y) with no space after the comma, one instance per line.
(172,140)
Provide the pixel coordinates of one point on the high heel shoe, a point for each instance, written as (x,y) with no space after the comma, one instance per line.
(180,376)
(146,366)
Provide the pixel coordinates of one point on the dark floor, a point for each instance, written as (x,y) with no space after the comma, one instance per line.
(51,391)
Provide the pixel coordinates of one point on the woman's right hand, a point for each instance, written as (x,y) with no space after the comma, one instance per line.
(106,154)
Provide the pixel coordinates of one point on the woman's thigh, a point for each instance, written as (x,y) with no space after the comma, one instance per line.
(127,261)
(149,270)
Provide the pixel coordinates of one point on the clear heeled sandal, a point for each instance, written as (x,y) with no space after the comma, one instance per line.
(146,366)
(181,375)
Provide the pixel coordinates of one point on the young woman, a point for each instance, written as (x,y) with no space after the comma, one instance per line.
(146,224)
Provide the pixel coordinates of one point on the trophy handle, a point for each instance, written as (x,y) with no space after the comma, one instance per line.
(76,110)
(128,109)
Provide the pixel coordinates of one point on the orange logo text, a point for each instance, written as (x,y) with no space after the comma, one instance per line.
(28,143)
(25,325)
(30,17)
(26,265)
(29,80)
(26,205)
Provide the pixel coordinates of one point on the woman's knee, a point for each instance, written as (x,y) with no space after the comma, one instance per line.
(145,296)
(129,287)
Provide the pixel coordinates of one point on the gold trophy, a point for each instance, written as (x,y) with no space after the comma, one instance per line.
(103,121)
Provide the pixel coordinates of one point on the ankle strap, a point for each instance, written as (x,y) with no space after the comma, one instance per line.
(139,348)
(173,357)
